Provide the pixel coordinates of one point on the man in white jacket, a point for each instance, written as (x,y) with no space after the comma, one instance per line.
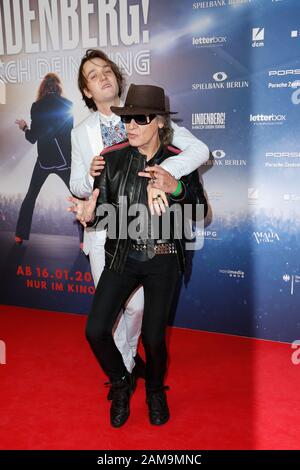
(101,84)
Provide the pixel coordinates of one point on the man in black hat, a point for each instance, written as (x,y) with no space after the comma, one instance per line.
(101,83)
(154,263)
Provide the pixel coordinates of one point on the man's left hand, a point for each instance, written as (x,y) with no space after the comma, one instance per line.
(160,183)
(157,200)
(160,178)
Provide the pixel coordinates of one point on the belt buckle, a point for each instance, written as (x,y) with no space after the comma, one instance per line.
(150,248)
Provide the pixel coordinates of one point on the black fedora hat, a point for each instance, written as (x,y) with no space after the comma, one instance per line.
(143,99)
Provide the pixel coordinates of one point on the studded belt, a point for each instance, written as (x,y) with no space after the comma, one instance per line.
(159,248)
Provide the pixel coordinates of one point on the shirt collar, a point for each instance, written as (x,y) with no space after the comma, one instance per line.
(155,157)
(111,120)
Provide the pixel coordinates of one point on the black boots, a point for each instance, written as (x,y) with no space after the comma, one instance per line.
(139,371)
(120,396)
(158,406)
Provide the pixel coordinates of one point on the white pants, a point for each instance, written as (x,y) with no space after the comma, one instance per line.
(128,326)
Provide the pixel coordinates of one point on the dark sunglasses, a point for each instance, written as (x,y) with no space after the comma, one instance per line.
(141,119)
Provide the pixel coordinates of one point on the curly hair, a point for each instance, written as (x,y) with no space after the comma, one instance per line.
(166,132)
(82,81)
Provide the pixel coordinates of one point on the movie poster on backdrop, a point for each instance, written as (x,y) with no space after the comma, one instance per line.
(48,269)
(231,71)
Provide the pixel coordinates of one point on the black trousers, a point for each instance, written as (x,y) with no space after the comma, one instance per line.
(38,178)
(159,277)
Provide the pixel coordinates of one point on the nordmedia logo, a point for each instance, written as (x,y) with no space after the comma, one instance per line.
(233,273)
(2,352)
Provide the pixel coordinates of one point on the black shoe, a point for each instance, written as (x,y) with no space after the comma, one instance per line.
(121,392)
(139,369)
(158,406)
(132,381)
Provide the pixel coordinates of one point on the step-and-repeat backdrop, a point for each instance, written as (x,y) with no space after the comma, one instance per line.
(232,70)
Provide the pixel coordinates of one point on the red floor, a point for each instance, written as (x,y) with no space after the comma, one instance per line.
(226,392)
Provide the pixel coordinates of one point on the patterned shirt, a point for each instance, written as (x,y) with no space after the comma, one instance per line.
(112,130)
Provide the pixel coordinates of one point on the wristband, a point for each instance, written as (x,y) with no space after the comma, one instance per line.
(178,190)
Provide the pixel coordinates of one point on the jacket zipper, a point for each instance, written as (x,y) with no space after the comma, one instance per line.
(142,169)
(123,186)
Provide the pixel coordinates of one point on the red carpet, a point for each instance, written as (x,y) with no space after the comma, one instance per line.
(226,392)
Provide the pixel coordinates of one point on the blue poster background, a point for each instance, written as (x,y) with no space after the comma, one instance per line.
(232,71)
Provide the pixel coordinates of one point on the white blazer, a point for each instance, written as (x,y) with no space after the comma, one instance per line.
(87,143)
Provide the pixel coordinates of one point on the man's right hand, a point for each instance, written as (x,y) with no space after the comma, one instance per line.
(97,166)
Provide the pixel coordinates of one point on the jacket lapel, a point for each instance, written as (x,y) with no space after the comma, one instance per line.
(94,134)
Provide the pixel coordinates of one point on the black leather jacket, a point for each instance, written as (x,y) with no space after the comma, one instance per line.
(120,178)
